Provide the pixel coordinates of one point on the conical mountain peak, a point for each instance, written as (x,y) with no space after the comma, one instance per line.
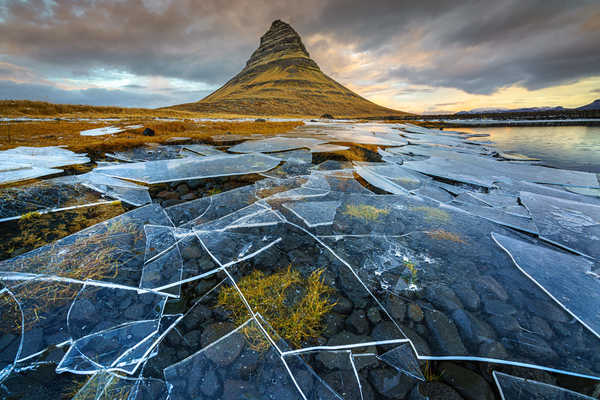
(280,41)
(280,78)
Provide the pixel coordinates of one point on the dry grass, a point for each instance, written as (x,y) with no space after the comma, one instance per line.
(53,133)
(440,234)
(365,212)
(270,295)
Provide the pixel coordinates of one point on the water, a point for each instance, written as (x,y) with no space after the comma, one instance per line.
(568,147)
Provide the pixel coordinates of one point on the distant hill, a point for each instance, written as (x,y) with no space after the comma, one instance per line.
(280,78)
(595,105)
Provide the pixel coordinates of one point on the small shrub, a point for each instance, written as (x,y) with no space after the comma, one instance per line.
(365,212)
(269,295)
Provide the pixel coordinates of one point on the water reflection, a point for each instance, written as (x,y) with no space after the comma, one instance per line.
(569,147)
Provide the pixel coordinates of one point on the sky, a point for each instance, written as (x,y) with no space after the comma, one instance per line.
(416,56)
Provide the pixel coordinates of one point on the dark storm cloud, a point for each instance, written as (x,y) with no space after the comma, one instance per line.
(95,96)
(475,46)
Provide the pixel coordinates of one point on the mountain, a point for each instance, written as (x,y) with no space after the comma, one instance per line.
(594,105)
(510,110)
(280,78)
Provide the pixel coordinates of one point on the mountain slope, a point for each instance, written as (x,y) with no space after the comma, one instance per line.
(594,105)
(280,78)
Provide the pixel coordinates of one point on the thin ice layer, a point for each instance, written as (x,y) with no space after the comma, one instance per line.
(213,372)
(26,173)
(127,192)
(108,130)
(111,251)
(43,157)
(403,359)
(275,144)
(569,224)
(314,213)
(516,388)
(11,332)
(566,278)
(161,171)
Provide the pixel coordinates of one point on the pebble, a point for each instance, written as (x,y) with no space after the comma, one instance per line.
(415,312)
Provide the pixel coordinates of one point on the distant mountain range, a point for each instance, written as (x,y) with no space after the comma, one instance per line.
(593,106)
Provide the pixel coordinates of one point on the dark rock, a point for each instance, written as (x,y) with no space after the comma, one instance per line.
(438,391)
(386,330)
(167,195)
(469,298)
(214,332)
(188,197)
(505,325)
(342,305)
(547,310)
(333,323)
(374,315)
(391,383)
(193,338)
(210,382)
(357,322)
(33,342)
(170,202)
(148,132)
(236,389)
(182,188)
(496,307)
(444,333)
(327,116)
(493,350)
(487,285)
(468,383)
(396,307)
(344,383)
(420,344)
(472,330)
(260,120)
(335,360)
(415,313)
(534,345)
(443,298)
(191,252)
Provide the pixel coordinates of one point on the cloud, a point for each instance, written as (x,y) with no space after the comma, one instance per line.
(94,96)
(477,47)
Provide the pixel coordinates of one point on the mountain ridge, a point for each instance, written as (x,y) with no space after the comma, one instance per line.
(594,105)
(280,78)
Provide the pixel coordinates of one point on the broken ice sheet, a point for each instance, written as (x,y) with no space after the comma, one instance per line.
(110,386)
(26,174)
(121,349)
(572,225)
(111,251)
(202,149)
(43,157)
(11,331)
(566,278)
(298,156)
(516,388)
(161,171)
(107,130)
(403,359)
(275,144)
(391,177)
(289,169)
(46,196)
(327,148)
(522,223)
(150,152)
(213,372)
(127,192)
(314,213)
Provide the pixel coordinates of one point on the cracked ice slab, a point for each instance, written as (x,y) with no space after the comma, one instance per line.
(516,388)
(108,130)
(566,278)
(43,157)
(275,144)
(219,362)
(162,171)
(314,213)
(569,224)
(127,192)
